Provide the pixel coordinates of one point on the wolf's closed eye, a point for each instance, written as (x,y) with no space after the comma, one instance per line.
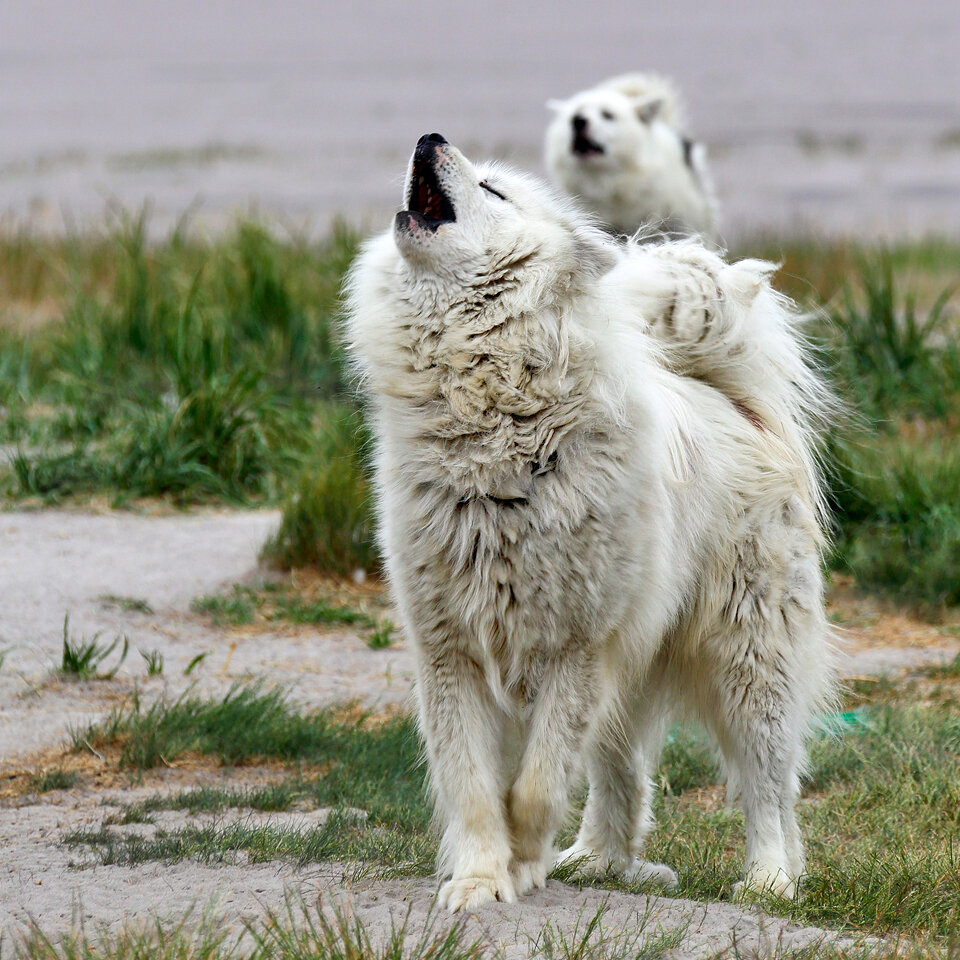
(486,186)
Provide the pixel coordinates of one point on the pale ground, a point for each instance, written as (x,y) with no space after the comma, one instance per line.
(55,562)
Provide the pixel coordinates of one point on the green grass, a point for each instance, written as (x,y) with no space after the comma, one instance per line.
(153,659)
(897,510)
(81,659)
(294,933)
(188,370)
(881,829)
(688,761)
(949,670)
(382,636)
(128,604)
(880,813)
(895,461)
(199,370)
(54,779)
(278,796)
(236,608)
(297,932)
(274,603)
(327,519)
(892,356)
(380,765)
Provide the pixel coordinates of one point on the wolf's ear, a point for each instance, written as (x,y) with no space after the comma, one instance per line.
(556,105)
(648,112)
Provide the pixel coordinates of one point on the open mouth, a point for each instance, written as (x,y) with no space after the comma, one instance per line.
(425,197)
(583,146)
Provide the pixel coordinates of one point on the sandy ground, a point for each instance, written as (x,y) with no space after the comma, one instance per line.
(55,562)
(245,891)
(56,887)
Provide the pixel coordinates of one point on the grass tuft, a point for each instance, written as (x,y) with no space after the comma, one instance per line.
(887,353)
(81,658)
(55,779)
(128,604)
(382,636)
(327,519)
(154,662)
(243,604)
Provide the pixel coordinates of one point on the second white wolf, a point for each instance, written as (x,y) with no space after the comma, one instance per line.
(620,148)
(599,506)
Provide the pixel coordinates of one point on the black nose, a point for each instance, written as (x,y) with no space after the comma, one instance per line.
(579,123)
(431,138)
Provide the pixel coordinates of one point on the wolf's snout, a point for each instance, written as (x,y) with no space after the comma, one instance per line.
(581,144)
(428,204)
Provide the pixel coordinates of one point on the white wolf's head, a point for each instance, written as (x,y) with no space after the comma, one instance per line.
(615,125)
(459,317)
(489,230)
(619,147)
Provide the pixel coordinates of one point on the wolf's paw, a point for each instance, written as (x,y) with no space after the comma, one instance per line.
(585,863)
(468,893)
(528,874)
(766,881)
(645,871)
(580,860)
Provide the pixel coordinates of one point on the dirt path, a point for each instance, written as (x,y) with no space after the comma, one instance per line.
(56,562)
(39,883)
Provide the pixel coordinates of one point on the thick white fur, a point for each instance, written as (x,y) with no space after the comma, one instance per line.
(646,180)
(599,505)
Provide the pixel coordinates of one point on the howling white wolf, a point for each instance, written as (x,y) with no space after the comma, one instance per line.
(620,148)
(599,506)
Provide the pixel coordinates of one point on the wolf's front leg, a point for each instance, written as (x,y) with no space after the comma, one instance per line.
(462,726)
(538,798)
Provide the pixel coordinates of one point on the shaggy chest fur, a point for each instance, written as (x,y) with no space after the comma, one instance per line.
(505,580)
(511,490)
(495,394)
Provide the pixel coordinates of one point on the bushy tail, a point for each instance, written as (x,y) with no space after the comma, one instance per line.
(729,328)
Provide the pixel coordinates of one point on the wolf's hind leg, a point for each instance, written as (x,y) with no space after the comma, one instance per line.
(617,817)
(759,703)
(537,800)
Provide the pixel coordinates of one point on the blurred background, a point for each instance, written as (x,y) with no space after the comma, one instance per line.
(826,116)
